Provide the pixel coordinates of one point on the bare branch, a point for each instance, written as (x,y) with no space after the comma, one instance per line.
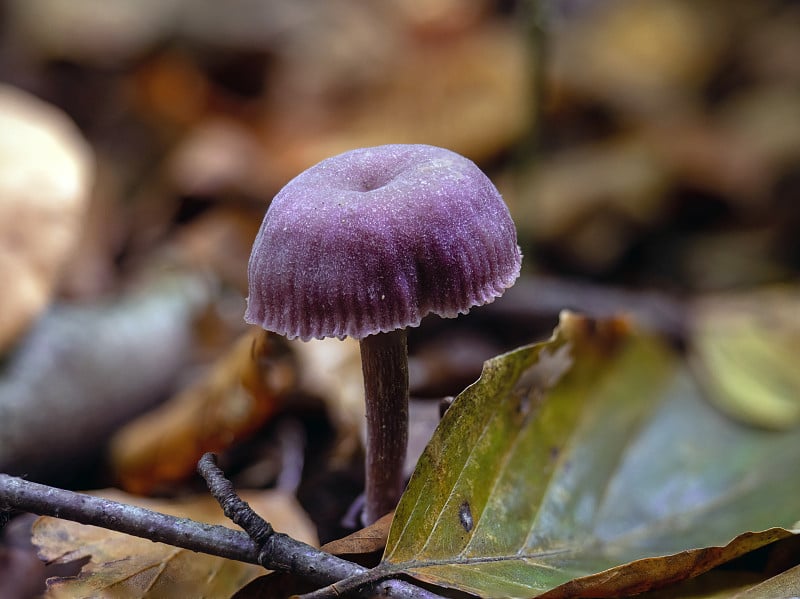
(278,552)
(36,498)
(281,552)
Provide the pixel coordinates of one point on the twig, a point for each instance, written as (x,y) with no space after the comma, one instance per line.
(281,552)
(286,554)
(40,499)
(234,507)
(366,584)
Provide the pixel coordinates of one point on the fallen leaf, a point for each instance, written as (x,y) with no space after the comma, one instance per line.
(656,572)
(589,465)
(220,241)
(367,540)
(476,100)
(785,585)
(744,350)
(239,394)
(122,566)
(644,57)
(716,584)
(592,200)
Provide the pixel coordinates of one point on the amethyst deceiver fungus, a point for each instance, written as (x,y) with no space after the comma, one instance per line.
(365,244)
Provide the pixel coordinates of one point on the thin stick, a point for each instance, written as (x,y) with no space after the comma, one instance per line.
(355,586)
(236,509)
(36,498)
(287,554)
(277,550)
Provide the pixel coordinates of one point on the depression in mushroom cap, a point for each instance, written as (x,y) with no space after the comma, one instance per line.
(376,238)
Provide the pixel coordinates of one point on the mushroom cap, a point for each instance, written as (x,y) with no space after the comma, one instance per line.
(375,239)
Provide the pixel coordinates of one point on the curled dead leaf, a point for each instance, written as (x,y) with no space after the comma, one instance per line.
(371,539)
(241,392)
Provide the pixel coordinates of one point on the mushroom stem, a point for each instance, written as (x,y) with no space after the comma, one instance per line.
(384,361)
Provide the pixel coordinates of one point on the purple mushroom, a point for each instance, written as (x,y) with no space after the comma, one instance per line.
(365,244)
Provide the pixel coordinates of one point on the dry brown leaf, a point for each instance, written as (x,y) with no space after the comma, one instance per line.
(242,391)
(594,198)
(122,566)
(371,539)
(785,585)
(640,575)
(449,75)
(170,89)
(470,93)
(708,157)
(642,57)
(46,171)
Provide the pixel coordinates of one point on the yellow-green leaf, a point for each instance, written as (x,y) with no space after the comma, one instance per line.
(577,459)
(745,349)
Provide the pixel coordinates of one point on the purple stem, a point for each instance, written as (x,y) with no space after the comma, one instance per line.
(384,361)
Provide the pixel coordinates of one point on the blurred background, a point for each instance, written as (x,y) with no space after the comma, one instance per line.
(649,152)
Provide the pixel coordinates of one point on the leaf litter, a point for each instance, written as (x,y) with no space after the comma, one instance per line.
(122,566)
